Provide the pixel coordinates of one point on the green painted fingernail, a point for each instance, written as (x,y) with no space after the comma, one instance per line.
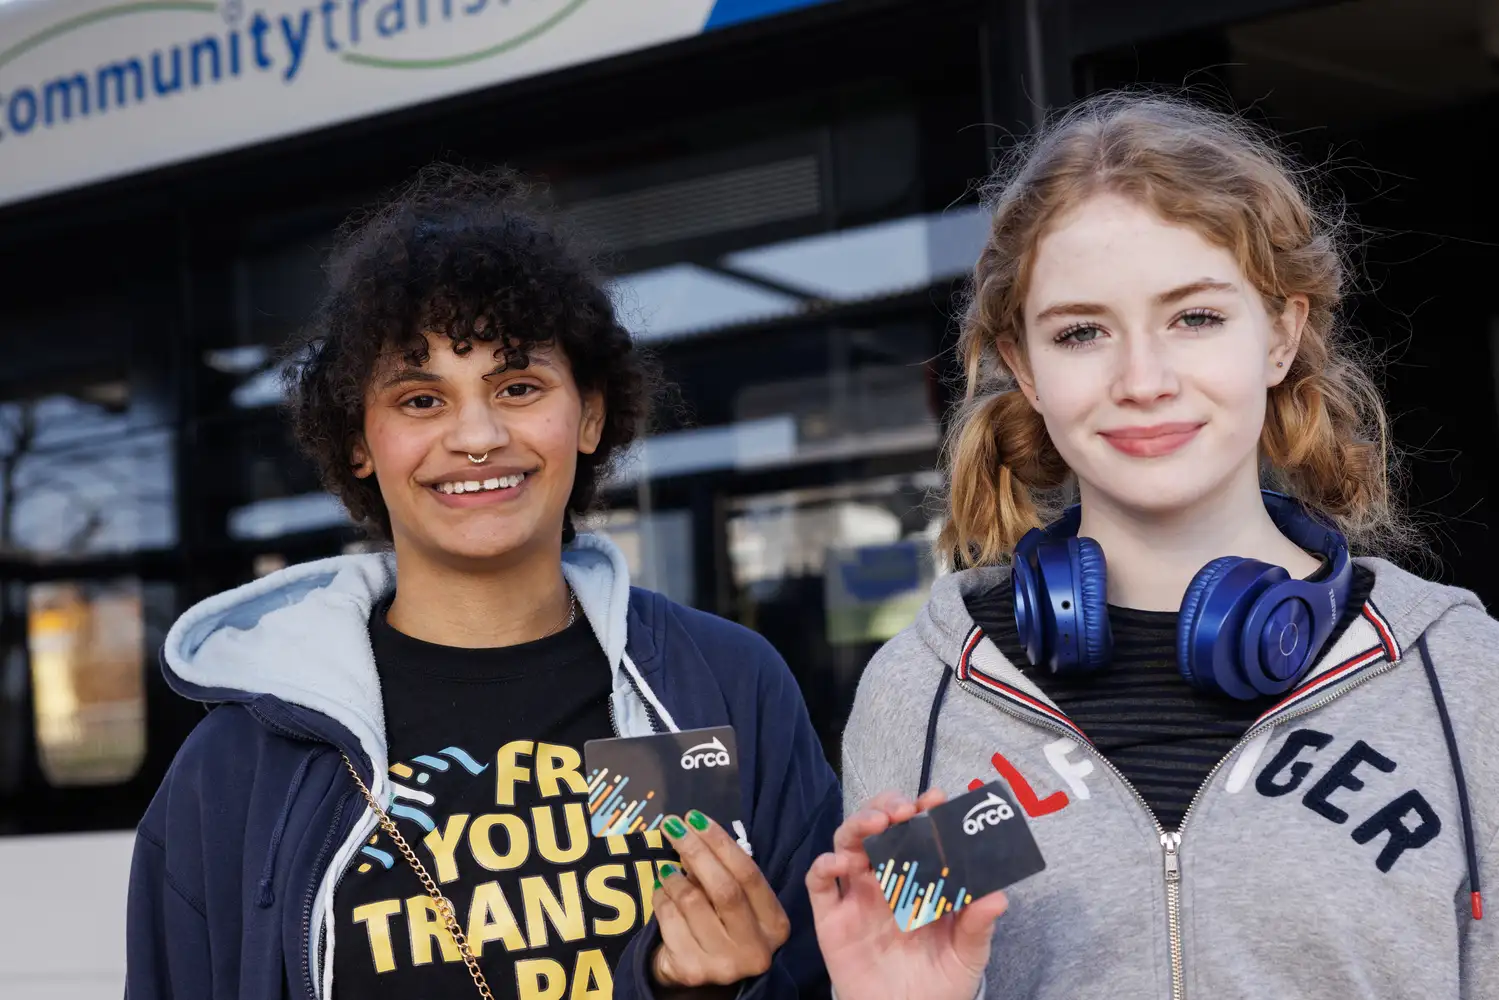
(674,827)
(658,884)
(667,870)
(698,820)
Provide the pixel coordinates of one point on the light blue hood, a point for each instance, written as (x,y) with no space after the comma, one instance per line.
(302,635)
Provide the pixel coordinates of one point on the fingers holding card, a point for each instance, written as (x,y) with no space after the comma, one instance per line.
(720,921)
(938,872)
(634,783)
(942,860)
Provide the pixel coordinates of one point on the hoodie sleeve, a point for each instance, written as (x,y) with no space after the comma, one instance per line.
(797,807)
(1480,941)
(886,731)
(166,928)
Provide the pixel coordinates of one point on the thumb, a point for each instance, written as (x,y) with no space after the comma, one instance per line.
(973,929)
(661,968)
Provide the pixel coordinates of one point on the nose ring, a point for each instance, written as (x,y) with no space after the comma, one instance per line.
(480,459)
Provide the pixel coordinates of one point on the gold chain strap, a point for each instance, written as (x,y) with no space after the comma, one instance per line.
(444,908)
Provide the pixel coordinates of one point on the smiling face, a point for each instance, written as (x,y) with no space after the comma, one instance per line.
(422,424)
(1149,354)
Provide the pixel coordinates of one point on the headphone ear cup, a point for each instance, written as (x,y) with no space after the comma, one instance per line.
(1030,604)
(1199,675)
(1093,604)
(1278,639)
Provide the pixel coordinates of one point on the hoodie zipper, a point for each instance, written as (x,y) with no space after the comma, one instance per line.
(1171,842)
(310,899)
(650,715)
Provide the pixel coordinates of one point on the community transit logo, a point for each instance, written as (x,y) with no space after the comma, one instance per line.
(93,88)
(253,40)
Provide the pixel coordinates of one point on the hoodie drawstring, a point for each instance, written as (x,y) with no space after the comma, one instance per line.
(1457,770)
(931,734)
(266,897)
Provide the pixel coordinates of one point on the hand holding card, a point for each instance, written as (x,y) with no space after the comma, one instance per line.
(867,954)
(721,922)
(939,862)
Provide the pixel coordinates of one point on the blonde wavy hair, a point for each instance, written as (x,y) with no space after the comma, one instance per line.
(1326,437)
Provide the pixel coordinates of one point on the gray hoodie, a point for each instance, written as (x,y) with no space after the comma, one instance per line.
(1328,855)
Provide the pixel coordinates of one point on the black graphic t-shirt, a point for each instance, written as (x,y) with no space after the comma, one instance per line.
(486,750)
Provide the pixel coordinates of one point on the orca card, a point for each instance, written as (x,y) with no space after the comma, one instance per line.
(940,861)
(984,837)
(634,783)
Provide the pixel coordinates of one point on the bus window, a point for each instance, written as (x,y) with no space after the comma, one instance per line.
(86,643)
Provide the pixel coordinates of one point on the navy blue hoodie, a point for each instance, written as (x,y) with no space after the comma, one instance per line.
(237,858)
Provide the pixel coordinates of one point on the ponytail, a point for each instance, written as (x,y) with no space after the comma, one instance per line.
(1000,457)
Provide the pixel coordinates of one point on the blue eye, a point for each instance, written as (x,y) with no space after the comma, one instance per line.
(1083,333)
(1200,319)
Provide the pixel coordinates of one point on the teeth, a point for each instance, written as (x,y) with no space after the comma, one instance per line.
(476,486)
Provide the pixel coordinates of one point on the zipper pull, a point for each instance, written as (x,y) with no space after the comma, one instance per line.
(1172,841)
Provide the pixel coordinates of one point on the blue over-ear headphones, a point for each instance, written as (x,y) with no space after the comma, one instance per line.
(1246,628)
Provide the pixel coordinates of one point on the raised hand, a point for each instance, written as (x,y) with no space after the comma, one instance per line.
(867,955)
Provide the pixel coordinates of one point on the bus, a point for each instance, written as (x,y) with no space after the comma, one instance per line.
(783,192)
(787,197)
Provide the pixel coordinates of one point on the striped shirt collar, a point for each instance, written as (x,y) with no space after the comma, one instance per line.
(1367,643)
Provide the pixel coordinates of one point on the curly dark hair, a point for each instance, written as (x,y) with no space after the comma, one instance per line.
(475,256)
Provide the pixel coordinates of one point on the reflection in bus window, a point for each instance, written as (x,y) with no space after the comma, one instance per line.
(82,473)
(657,546)
(862,550)
(829,573)
(86,644)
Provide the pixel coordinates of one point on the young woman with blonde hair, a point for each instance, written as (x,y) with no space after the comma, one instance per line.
(1250,751)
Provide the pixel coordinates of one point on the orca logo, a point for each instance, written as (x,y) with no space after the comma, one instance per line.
(990,812)
(710,754)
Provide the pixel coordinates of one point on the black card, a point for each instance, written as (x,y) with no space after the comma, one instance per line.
(940,861)
(636,782)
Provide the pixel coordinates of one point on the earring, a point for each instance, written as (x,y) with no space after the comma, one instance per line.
(480,459)
(1280,364)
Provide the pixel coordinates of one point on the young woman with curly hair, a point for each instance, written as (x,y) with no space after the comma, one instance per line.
(1251,752)
(389,799)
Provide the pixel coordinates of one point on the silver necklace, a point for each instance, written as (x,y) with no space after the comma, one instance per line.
(569,618)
